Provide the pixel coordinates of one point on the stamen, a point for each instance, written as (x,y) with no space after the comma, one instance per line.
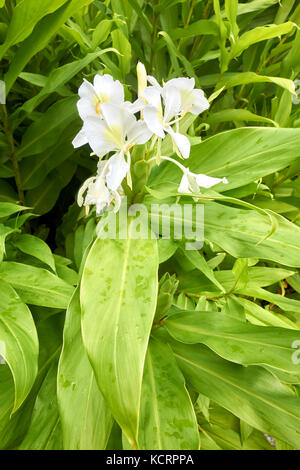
(97,107)
(186,110)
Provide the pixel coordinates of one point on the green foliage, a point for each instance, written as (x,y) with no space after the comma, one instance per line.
(111,344)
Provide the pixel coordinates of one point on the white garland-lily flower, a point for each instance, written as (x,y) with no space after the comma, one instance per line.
(95,191)
(179,97)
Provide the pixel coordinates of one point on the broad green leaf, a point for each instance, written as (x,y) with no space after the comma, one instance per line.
(36,247)
(166,249)
(4,232)
(236,341)
(258,34)
(35,169)
(255,5)
(8,208)
(198,260)
(198,28)
(43,197)
(121,44)
(241,233)
(195,282)
(167,418)
(118,297)
(86,420)
(237,115)
(260,316)
(242,155)
(231,8)
(26,15)
(18,342)
(40,38)
(44,132)
(290,305)
(243,78)
(44,432)
(101,32)
(220,438)
(36,286)
(253,394)
(7,394)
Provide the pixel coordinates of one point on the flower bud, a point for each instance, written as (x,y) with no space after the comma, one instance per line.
(142,78)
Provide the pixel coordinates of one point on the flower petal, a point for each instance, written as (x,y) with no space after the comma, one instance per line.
(153,82)
(94,130)
(80,139)
(204,181)
(108,90)
(118,169)
(200,103)
(153,120)
(172,102)
(86,90)
(138,134)
(86,108)
(152,96)
(181,142)
(181,83)
(184,184)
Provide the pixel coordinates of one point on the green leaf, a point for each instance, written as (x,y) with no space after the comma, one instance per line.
(241,233)
(261,33)
(101,32)
(257,276)
(36,247)
(253,394)
(237,115)
(40,38)
(8,208)
(44,132)
(236,341)
(243,78)
(198,260)
(26,15)
(118,296)
(44,432)
(167,417)
(242,155)
(85,418)
(43,197)
(18,342)
(4,232)
(36,286)
(60,76)
(198,28)
(121,44)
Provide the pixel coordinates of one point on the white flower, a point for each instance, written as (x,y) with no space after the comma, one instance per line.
(118,131)
(96,191)
(104,90)
(159,121)
(179,97)
(192,182)
(117,169)
(192,99)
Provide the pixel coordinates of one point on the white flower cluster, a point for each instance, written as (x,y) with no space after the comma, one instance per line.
(110,125)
